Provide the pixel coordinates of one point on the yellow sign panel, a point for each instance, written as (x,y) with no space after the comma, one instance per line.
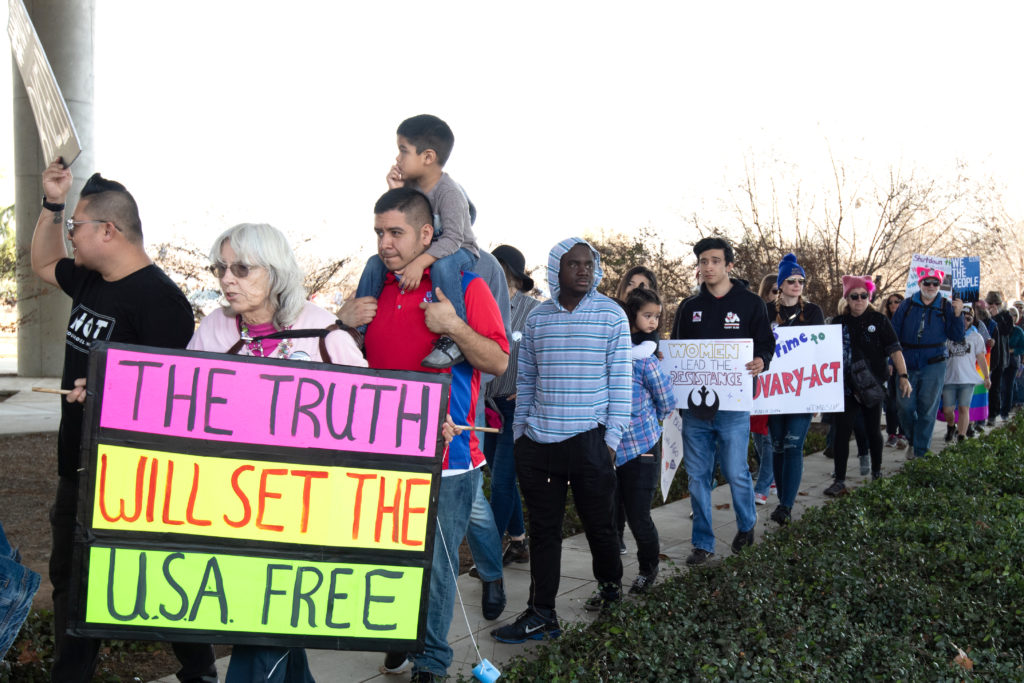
(165,589)
(161,492)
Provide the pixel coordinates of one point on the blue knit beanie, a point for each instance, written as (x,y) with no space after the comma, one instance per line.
(788,268)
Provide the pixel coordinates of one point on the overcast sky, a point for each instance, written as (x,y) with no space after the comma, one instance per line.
(569,117)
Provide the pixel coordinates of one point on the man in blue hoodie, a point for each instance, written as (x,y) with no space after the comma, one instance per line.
(923,323)
(723,308)
(573,396)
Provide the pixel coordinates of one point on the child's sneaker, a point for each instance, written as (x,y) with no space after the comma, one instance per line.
(445,354)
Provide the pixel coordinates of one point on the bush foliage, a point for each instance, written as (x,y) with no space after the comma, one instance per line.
(890,582)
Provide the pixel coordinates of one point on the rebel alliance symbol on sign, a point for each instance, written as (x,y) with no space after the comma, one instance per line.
(703,410)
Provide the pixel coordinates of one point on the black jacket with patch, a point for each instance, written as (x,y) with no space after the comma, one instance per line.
(740,314)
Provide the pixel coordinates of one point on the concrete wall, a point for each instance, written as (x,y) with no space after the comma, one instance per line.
(65,28)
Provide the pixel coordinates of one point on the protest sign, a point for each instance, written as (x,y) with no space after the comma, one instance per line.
(671,451)
(251,500)
(56,131)
(962,280)
(709,373)
(806,374)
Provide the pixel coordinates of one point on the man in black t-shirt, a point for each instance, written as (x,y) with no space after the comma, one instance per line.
(117,295)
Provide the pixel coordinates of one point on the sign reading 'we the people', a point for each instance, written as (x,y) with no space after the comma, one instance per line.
(251,500)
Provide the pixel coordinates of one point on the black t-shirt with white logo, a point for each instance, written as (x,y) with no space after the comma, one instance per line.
(145,307)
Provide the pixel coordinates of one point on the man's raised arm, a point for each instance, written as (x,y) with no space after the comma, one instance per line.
(48,239)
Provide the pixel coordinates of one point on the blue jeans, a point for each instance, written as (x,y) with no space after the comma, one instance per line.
(484,540)
(498,449)
(766,467)
(268,664)
(18,585)
(788,434)
(917,411)
(729,432)
(446,274)
(454,504)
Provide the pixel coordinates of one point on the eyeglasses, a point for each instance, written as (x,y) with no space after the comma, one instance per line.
(796,281)
(895,302)
(71,224)
(775,290)
(239,270)
(930,283)
(858,297)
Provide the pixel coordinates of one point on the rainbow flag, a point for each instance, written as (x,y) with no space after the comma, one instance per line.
(979,401)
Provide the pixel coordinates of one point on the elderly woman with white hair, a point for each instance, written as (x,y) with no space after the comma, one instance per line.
(264,299)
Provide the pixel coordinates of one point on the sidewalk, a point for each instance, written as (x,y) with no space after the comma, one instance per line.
(26,411)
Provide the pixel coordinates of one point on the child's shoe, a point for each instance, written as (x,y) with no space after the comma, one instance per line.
(445,354)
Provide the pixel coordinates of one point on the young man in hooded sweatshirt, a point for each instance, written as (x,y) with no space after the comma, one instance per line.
(723,308)
(573,399)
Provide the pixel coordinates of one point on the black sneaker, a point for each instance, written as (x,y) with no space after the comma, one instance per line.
(445,354)
(622,546)
(950,433)
(643,582)
(492,601)
(699,556)
(875,476)
(781,515)
(473,572)
(516,551)
(606,598)
(742,540)
(396,663)
(865,464)
(533,624)
(837,488)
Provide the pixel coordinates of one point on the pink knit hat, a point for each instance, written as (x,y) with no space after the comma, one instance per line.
(934,273)
(852,282)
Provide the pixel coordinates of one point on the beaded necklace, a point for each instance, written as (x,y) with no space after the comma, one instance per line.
(282,349)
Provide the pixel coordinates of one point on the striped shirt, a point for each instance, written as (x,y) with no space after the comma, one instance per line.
(574,371)
(521,305)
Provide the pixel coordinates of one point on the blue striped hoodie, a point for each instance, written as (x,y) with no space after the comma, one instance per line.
(574,371)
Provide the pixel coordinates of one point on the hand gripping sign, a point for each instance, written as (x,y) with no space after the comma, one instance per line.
(252,500)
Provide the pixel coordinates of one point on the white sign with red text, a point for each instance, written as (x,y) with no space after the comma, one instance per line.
(806,373)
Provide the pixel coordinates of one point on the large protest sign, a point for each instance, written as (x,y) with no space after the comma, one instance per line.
(252,500)
(806,374)
(709,373)
(962,275)
(56,131)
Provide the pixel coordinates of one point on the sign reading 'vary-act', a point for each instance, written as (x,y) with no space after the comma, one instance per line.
(250,500)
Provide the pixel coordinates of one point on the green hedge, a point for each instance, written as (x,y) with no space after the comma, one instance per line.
(885,583)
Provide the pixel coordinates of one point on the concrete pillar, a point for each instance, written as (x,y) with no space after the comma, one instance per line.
(65,28)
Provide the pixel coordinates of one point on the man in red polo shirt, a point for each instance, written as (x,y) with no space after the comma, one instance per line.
(402,329)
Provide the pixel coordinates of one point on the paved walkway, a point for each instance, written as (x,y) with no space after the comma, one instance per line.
(26,412)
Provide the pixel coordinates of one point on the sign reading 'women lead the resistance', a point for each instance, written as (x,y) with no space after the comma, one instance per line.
(251,500)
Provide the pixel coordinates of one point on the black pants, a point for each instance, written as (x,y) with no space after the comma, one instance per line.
(75,657)
(995,376)
(545,471)
(844,427)
(637,480)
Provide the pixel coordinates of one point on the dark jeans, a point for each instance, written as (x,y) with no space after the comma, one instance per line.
(788,434)
(637,479)
(267,664)
(995,392)
(845,422)
(498,449)
(546,470)
(892,407)
(1006,389)
(75,657)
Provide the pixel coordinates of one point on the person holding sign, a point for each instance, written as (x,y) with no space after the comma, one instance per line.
(117,295)
(572,406)
(402,330)
(789,431)
(264,296)
(868,343)
(923,324)
(723,308)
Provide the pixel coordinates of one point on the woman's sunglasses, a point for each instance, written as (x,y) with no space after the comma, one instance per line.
(858,297)
(239,270)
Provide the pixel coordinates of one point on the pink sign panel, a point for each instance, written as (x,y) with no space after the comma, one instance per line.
(236,401)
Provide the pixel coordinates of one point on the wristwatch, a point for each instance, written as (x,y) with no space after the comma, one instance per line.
(56,208)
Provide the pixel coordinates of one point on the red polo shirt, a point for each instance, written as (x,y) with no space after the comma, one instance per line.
(398,339)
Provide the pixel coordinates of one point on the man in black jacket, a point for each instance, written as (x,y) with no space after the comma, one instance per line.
(1002,365)
(722,309)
